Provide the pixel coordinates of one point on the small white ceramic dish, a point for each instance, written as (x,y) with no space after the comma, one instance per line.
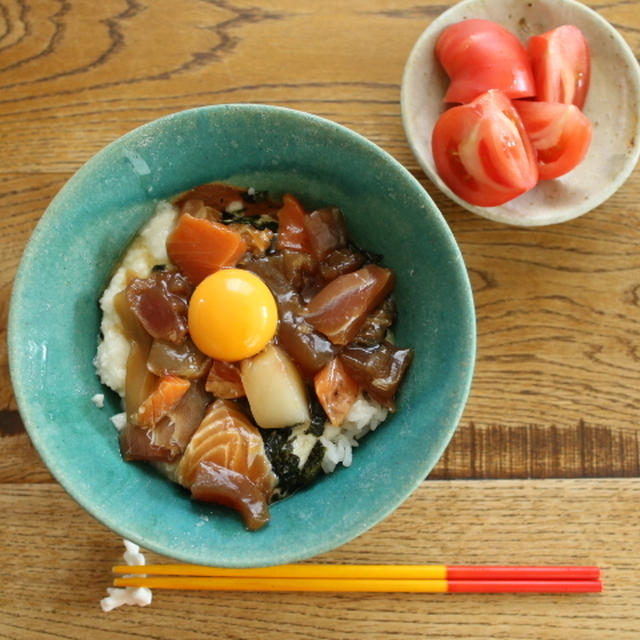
(613,106)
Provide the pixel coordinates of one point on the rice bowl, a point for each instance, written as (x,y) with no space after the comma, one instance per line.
(98,212)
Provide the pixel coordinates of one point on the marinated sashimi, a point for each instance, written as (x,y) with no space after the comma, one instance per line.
(160,303)
(292,235)
(341,308)
(227,437)
(227,198)
(139,381)
(213,483)
(161,400)
(326,231)
(184,360)
(199,247)
(379,369)
(244,427)
(337,391)
(223,380)
(163,425)
(226,462)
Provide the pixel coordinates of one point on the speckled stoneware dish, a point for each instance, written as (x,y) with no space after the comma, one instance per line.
(613,106)
(54,321)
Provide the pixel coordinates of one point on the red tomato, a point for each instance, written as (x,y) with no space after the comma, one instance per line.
(482,151)
(560,134)
(479,55)
(561,65)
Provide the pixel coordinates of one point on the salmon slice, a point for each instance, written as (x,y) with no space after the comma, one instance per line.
(161,400)
(225,462)
(171,428)
(199,247)
(223,380)
(291,231)
(336,390)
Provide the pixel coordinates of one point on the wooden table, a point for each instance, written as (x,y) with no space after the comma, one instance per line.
(545,465)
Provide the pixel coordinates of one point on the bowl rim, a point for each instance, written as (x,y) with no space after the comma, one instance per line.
(497,214)
(19,382)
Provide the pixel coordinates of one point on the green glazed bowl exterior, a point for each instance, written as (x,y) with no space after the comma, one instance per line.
(54,323)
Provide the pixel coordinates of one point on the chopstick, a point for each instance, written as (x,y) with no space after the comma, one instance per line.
(363,578)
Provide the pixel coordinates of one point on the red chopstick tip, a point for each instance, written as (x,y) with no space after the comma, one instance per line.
(519,572)
(522,586)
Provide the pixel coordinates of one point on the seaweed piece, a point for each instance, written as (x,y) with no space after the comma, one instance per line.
(253,196)
(259,222)
(318,416)
(292,477)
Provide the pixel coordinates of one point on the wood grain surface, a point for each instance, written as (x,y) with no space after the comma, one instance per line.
(545,464)
(55,577)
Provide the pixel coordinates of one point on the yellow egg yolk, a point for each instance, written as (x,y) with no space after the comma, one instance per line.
(232,315)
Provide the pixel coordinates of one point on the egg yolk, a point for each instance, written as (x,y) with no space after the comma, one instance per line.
(232,315)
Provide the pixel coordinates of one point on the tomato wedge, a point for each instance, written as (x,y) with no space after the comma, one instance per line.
(482,151)
(560,134)
(479,55)
(561,64)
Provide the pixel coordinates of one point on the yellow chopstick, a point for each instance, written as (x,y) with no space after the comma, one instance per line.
(373,578)
(340,571)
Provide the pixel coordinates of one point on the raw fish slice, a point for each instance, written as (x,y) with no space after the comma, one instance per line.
(199,247)
(139,381)
(160,303)
(227,439)
(161,400)
(186,416)
(341,308)
(379,369)
(336,390)
(167,421)
(136,443)
(219,196)
(223,380)
(213,483)
(326,231)
(184,360)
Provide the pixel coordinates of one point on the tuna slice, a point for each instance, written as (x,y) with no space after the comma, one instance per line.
(326,231)
(341,307)
(160,303)
(379,369)
(225,462)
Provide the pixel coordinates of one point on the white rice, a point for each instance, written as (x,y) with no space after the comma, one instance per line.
(98,400)
(365,415)
(118,596)
(119,421)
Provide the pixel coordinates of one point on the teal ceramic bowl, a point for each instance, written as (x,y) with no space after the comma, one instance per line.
(54,320)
